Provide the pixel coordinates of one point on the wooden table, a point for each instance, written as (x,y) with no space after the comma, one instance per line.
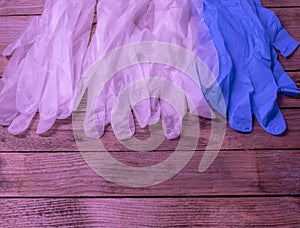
(254,181)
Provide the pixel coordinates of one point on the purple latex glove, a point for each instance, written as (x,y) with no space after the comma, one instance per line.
(115,28)
(147,21)
(46,65)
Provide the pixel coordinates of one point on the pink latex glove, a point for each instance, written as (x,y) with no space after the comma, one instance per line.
(139,21)
(45,67)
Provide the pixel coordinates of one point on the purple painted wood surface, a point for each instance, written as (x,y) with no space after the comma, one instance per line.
(254,181)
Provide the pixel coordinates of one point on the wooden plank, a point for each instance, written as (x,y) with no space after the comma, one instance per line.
(21,7)
(290,19)
(220,197)
(279,3)
(25,7)
(12,27)
(233,173)
(287,101)
(190,212)
(61,137)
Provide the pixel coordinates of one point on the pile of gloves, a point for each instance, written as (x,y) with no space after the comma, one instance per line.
(152,59)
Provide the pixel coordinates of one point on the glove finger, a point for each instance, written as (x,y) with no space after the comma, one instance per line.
(271,119)
(73,67)
(153,86)
(285,84)
(150,103)
(197,104)
(96,111)
(48,105)
(122,122)
(142,111)
(8,110)
(279,37)
(139,95)
(219,93)
(282,41)
(191,90)
(172,122)
(32,76)
(213,75)
(264,99)
(11,70)
(239,108)
(81,36)
(173,109)
(27,38)
(45,125)
(64,68)
(20,123)
(106,101)
(155,111)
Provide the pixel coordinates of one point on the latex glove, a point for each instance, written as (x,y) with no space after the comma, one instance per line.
(116,15)
(8,110)
(143,23)
(47,60)
(247,78)
(111,102)
(281,40)
(188,30)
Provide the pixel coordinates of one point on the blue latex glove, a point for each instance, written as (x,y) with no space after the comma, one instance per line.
(250,74)
(281,40)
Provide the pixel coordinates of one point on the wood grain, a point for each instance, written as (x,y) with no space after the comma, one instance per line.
(234,173)
(25,7)
(44,181)
(21,7)
(190,212)
(61,137)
